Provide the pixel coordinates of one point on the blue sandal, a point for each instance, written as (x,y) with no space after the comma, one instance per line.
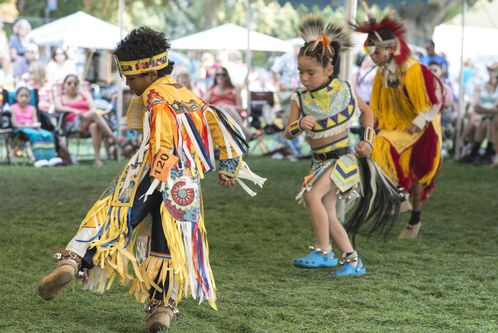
(348,269)
(315,259)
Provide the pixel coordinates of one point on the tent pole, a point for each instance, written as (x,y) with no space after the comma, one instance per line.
(347,59)
(345,74)
(248,54)
(88,62)
(119,102)
(461,93)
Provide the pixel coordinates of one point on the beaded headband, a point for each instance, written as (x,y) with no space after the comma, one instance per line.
(135,67)
(370,46)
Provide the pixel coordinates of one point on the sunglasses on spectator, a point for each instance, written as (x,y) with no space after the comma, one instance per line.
(221,74)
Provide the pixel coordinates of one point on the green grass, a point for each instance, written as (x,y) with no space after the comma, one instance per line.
(443,281)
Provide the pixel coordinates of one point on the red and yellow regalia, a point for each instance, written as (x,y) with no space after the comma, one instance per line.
(405,92)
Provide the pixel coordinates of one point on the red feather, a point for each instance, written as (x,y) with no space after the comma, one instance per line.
(431,83)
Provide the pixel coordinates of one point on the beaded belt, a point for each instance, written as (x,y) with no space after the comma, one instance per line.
(333,154)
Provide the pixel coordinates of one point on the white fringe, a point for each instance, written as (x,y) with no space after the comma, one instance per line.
(93,279)
(191,283)
(234,123)
(246,173)
(143,240)
(194,142)
(299,196)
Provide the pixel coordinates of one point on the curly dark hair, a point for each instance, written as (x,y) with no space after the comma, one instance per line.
(144,43)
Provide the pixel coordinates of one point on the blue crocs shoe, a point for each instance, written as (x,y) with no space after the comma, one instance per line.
(348,269)
(316,260)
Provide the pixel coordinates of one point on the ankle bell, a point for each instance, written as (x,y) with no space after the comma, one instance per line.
(347,258)
(320,250)
(63,254)
(155,303)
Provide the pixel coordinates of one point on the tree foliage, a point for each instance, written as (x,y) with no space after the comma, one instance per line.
(183,17)
(421,20)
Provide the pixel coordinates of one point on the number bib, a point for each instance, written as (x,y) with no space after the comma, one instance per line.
(162,164)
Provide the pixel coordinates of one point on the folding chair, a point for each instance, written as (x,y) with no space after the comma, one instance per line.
(61,132)
(4,141)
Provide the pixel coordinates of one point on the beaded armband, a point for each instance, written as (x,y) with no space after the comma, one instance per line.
(295,129)
(368,135)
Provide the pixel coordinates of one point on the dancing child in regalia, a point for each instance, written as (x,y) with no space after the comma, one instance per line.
(151,217)
(407,100)
(324,110)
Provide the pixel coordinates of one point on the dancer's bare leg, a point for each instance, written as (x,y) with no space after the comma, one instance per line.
(95,133)
(337,232)
(417,193)
(94,117)
(318,212)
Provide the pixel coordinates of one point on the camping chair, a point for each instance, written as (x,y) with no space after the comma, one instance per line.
(5,132)
(17,144)
(61,132)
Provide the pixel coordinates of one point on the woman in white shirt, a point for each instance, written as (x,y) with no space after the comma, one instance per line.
(59,66)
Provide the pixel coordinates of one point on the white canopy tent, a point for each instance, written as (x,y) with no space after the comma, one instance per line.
(230,37)
(78,30)
(444,38)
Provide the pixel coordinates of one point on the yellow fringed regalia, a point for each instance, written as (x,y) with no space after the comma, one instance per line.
(175,122)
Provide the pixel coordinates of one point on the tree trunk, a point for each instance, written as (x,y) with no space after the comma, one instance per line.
(211,13)
(421,20)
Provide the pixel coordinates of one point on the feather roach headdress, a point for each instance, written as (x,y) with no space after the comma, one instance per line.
(333,37)
(373,27)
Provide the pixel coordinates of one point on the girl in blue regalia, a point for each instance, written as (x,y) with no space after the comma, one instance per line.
(324,110)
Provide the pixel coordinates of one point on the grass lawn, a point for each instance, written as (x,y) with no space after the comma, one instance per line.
(443,281)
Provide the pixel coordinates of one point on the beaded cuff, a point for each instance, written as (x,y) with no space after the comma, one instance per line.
(295,129)
(368,135)
(230,167)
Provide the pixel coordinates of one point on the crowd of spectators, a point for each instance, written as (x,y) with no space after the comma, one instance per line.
(478,123)
(65,104)
(223,74)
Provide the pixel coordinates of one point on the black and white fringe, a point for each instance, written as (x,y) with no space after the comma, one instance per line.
(378,208)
